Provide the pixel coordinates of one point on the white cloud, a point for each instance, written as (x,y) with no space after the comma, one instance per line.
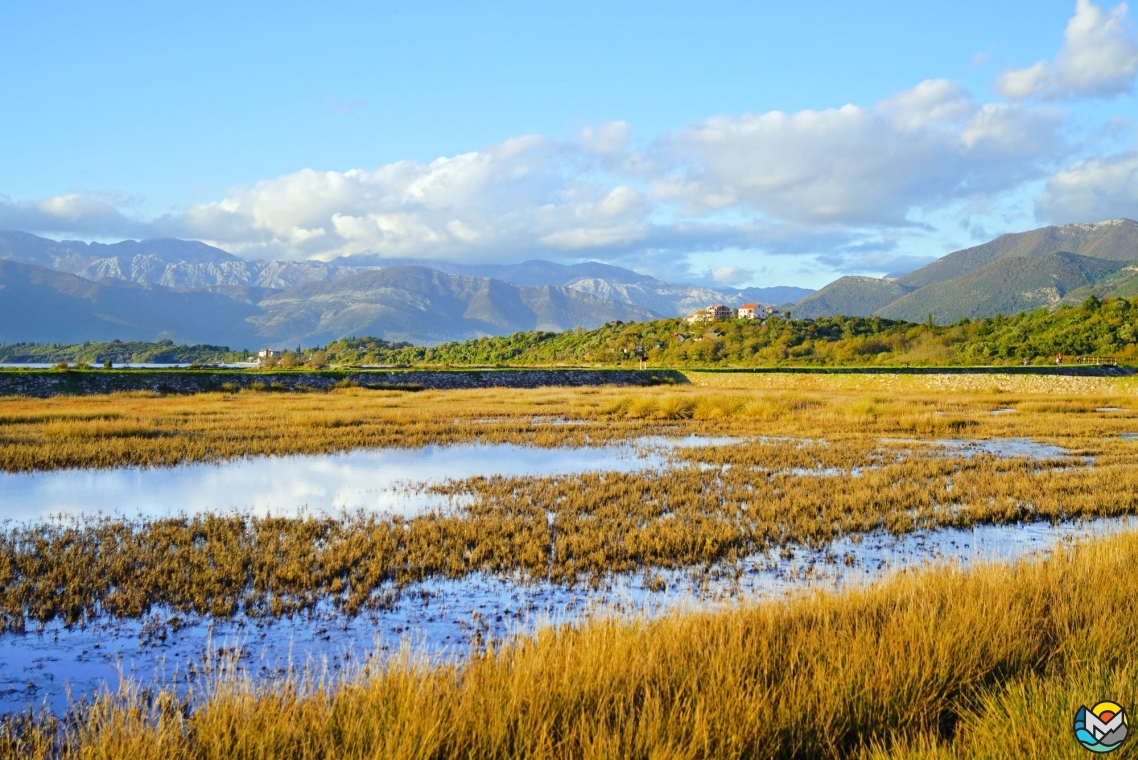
(524,193)
(72,213)
(731,275)
(1099,58)
(1092,190)
(608,139)
(804,183)
(855,165)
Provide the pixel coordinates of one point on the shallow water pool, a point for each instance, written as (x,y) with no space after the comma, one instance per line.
(388,480)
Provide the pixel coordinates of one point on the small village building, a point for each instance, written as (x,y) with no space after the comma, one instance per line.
(719,312)
(267,353)
(714,313)
(753,311)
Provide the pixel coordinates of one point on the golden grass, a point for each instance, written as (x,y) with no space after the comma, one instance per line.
(939,663)
(139,429)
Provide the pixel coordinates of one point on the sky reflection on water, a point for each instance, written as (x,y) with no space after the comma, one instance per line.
(388,480)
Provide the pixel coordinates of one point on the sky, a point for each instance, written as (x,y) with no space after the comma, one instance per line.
(729,143)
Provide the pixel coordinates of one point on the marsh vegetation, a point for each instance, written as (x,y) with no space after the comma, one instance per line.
(928,663)
(939,663)
(144,429)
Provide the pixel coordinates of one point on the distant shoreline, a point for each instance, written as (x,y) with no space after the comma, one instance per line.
(44,383)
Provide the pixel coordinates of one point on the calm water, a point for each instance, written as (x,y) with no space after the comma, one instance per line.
(388,480)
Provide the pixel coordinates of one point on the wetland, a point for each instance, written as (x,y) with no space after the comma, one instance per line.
(294,536)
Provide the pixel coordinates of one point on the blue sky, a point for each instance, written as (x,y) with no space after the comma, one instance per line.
(739,143)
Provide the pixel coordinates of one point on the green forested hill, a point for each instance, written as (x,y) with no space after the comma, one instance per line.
(1094,328)
(1098,328)
(1116,240)
(851,296)
(117,352)
(1015,272)
(1006,286)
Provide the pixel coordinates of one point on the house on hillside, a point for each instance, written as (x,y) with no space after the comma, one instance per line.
(714,313)
(754,311)
(719,312)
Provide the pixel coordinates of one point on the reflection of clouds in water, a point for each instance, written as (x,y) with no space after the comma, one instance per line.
(388,480)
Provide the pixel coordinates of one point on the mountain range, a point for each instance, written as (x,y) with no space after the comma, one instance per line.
(1022,271)
(191,292)
(187,291)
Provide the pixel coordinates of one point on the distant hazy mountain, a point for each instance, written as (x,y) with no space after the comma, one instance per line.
(677,300)
(42,305)
(534,272)
(1014,272)
(400,303)
(427,306)
(851,296)
(773,296)
(191,264)
(172,263)
(660,297)
(603,281)
(67,256)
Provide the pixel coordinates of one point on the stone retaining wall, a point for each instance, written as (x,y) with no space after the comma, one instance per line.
(46,383)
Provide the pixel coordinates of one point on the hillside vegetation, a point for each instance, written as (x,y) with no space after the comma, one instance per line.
(117,352)
(1116,240)
(1015,272)
(1101,328)
(851,296)
(1006,286)
(1095,328)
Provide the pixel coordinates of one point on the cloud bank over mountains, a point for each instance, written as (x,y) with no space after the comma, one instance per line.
(842,185)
